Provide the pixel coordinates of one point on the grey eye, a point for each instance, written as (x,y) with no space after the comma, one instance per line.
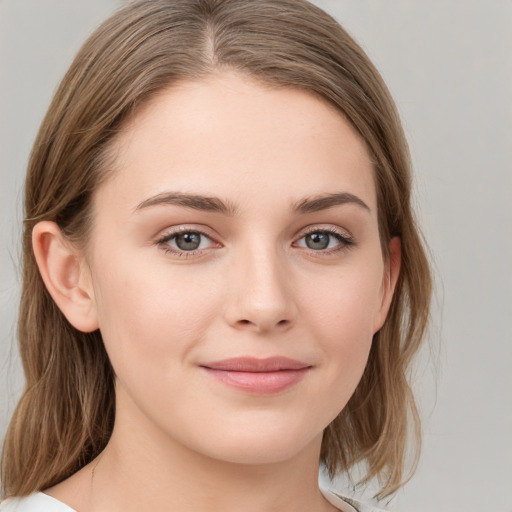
(189,241)
(186,242)
(318,241)
(324,240)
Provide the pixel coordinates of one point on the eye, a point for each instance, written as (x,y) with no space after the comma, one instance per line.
(324,240)
(185,241)
(188,241)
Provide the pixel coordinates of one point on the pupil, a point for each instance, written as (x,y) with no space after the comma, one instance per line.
(317,241)
(188,241)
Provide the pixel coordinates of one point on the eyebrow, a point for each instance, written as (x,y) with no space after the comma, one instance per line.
(323,202)
(194,201)
(215,204)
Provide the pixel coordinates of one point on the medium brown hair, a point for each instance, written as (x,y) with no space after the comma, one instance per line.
(66,413)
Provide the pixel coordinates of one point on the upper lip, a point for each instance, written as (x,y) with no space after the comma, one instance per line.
(255,365)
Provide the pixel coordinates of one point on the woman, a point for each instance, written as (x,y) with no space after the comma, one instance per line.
(223,282)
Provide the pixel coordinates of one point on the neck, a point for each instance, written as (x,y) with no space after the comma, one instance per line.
(142,469)
(149,478)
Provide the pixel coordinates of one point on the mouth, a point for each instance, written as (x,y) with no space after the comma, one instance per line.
(258,376)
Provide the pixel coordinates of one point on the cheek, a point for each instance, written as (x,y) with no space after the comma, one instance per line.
(342,314)
(347,302)
(147,313)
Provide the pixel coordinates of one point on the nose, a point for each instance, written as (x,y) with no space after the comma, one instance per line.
(261,296)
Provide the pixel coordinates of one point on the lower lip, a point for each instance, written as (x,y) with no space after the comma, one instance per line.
(263,383)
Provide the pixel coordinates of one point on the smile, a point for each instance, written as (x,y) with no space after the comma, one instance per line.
(258,376)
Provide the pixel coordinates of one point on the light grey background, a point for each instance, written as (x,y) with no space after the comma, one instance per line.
(448,64)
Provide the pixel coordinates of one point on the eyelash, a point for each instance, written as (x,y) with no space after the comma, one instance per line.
(345,241)
(163,242)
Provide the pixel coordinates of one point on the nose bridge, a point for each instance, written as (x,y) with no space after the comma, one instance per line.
(261,296)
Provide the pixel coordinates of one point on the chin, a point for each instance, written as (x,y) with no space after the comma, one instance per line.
(260,445)
(259,453)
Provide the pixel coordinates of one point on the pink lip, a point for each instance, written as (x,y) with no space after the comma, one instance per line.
(260,376)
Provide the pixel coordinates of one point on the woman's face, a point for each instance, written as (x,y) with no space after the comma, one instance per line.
(236,268)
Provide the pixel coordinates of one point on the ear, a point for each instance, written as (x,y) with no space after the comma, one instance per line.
(390,278)
(65,275)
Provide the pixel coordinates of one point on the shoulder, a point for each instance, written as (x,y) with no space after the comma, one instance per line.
(40,502)
(36,502)
(345,504)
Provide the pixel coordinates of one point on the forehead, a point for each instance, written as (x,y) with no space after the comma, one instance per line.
(229,135)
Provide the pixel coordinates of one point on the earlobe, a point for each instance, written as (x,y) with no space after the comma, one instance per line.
(390,278)
(64,275)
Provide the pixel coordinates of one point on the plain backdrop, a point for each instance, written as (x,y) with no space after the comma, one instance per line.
(448,64)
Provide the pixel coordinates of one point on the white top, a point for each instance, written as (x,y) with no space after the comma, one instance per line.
(40,502)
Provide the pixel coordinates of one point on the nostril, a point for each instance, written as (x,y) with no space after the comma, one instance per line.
(281,323)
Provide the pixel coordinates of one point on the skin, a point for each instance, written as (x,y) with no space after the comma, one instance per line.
(183,440)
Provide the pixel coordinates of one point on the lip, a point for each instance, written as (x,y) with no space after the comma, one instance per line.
(260,376)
